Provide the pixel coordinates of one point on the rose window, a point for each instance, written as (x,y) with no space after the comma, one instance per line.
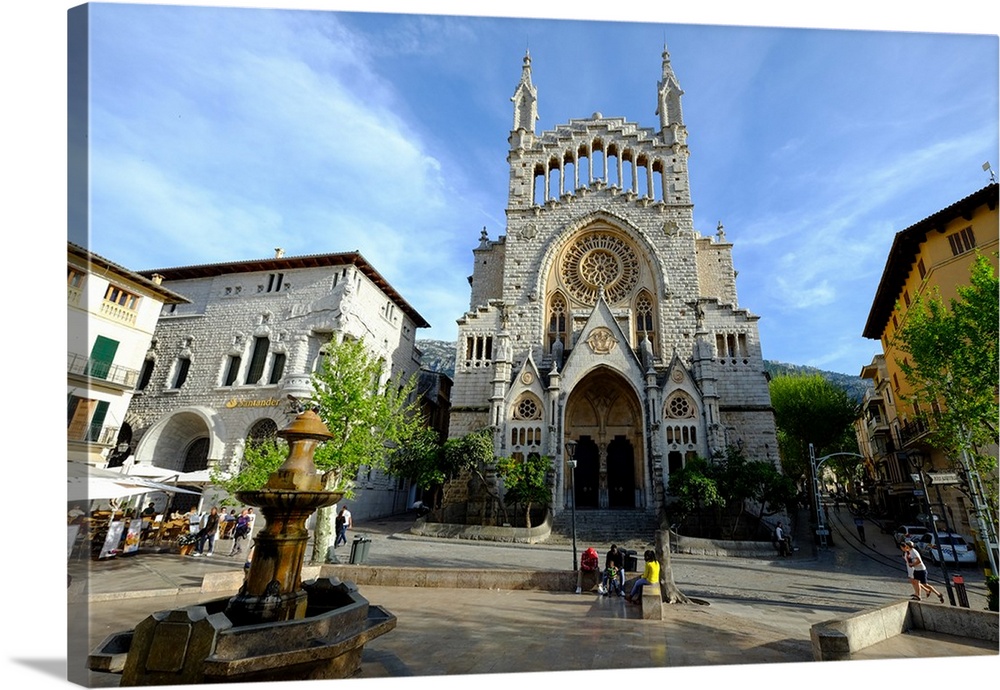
(600,260)
(527,409)
(600,267)
(679,407)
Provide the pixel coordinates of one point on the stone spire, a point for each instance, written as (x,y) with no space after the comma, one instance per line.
(525,100)
(668,103)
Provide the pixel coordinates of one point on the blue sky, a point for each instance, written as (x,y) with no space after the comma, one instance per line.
(218,134)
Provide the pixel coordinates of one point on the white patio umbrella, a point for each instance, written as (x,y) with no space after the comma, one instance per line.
(102,488)
(88,483)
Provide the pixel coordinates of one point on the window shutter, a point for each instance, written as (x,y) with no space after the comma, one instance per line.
(97,421)
(101,357)
(260,347)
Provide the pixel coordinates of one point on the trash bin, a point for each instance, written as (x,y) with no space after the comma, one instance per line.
(359,549)
(631,562)
(963,596)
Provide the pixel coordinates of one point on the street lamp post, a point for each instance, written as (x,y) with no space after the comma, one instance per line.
(814,465)
(916,460)
(571,463)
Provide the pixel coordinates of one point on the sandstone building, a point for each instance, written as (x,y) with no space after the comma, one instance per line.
(604,317)
(223,365)
(936,252)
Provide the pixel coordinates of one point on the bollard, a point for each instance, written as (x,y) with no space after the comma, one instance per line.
(963,597)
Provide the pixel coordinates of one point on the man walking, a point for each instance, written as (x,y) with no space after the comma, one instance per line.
(859,524)
(781,539)
(343,523)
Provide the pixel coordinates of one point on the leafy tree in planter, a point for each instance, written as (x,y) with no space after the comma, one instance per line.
(473,453)
(422,459)
(525,481)
(732,482)
(695,488)
(741,481)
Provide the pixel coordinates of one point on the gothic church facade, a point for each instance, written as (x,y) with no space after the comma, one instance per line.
(603,317)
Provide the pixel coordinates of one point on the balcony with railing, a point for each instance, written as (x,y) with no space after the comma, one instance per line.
(118,313)
(913,429)
(97,434)
(96,369)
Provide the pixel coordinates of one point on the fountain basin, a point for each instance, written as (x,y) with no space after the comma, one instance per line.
(200,644)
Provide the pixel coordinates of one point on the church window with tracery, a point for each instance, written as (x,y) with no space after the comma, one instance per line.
(645,323)
(679,406)
(528,408)
(596,261)
(525,427)
(557,321)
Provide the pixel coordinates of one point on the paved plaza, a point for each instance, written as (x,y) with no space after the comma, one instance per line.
(756,611)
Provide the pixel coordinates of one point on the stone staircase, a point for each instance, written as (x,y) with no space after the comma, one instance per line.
(601,528)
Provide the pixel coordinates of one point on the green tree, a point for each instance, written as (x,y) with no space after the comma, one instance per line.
(260,459)
(950,361)
(473,453)
(422,459)
(695,488)
(367,416)
(741,482)
(525,481)
(810,409)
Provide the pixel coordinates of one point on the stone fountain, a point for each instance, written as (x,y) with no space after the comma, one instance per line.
(276,627)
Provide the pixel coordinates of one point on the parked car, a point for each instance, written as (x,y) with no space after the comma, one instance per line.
(911,532)
(953,547)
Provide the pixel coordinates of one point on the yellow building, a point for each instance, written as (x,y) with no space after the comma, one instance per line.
(936,252)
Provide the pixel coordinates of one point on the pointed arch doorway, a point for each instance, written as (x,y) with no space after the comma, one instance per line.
(604,416)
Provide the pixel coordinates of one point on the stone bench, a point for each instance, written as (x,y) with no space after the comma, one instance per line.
(651,603)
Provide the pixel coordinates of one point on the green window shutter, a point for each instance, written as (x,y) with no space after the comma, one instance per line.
(101,357)
(97,421)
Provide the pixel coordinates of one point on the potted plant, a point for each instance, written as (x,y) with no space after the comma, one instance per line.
(186,542)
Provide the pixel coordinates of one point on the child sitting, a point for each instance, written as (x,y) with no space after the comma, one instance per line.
(610,584)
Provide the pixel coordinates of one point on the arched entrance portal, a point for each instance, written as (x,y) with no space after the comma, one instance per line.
(604,416)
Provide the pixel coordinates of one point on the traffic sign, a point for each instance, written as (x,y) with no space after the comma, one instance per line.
(918,492)
(942,478)
(822,532)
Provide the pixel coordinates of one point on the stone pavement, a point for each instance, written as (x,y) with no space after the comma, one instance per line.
(758,611)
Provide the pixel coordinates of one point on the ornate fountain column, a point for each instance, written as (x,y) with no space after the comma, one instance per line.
(273,589)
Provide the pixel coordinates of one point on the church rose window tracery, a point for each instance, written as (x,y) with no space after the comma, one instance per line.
(527,408)
(679,406)
(596,260)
